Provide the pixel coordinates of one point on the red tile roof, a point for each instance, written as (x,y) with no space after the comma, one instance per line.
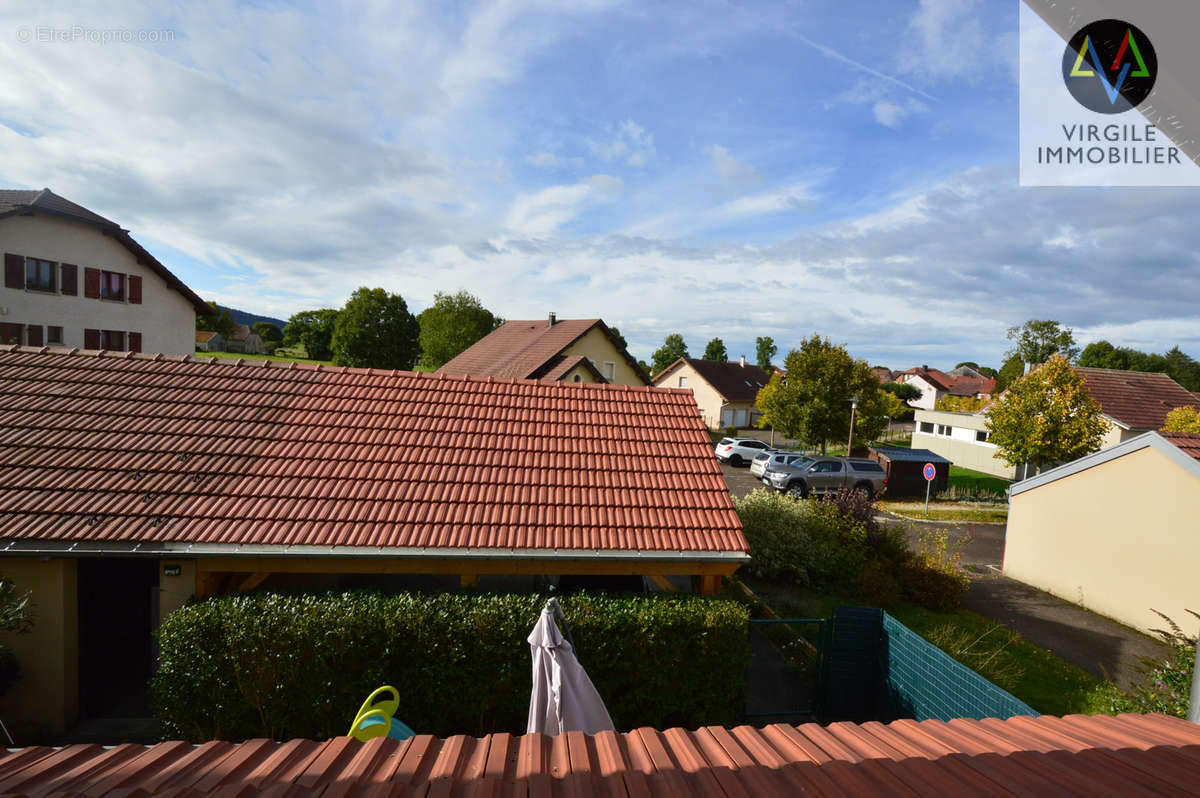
(525,349)
(955,385)
(733,381)
(1188,443)
(1137,399)
(16,202)
(1130,755)
(163,449)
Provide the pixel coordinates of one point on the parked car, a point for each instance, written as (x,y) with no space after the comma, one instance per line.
(822,475)
(770,461)
(738,451)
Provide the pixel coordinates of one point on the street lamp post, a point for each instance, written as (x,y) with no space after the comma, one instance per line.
(853,407)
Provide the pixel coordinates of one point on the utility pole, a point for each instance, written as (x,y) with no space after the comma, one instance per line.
(853,407)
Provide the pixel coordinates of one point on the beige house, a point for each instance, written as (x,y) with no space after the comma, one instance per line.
(962,438)
(245,340)
(73,278)
(725,392)
(558,350)
(1131,403)
(1115,531)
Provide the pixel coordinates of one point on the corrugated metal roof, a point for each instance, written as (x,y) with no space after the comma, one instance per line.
(898,454)
(152,449)
(1130,755)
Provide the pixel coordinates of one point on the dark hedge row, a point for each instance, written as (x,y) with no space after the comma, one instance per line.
(284,666)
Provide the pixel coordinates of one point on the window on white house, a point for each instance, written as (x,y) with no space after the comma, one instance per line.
(112,285)
(610,370)
(683,382)
(54,335)
(982,436)
(112,340)
(944,429)
(39,275)
(927,426)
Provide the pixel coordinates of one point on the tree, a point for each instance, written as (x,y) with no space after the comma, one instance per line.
(313,330)
(715,351)
(1183,419)
(1046,417)
(971,364)
(221,322)
(1183,369)
(960,404)
(267,331)
(1174,363)
(451,324)
(814,404)
(620,339)
(376,330)
(765,350)
(16,616)
(1010,372)
(905,391)
(1036,341)
(672,349)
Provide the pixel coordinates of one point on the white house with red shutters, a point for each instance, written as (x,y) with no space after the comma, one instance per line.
(73,278)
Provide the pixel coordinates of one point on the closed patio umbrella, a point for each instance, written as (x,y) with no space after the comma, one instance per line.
(563,697)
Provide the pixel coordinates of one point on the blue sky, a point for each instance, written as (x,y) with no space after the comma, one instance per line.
(714,169)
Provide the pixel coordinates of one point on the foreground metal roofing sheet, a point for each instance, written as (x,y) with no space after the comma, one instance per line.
(152,449)
(1130,755)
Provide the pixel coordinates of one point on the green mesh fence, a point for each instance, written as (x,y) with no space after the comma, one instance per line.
(921,681)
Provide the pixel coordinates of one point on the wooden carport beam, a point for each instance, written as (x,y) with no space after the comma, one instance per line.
(252,581)
(298,564)
(664,584)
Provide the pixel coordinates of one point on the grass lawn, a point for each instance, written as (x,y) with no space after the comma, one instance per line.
(1050,685)
(277,358)
(966,480)
(947,511)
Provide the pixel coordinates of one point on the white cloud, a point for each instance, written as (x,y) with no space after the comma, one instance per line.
(542,212)
(735,174)
(548,160)
(892,114)
(630,144)
(950,41)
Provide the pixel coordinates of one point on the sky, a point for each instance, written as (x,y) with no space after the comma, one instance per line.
(716,169)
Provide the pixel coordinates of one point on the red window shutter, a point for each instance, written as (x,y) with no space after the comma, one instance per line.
(33,335)
(91,338)
(70,279)
(10,333)
(91,285)
(14,270)
(135,289)
(135,342)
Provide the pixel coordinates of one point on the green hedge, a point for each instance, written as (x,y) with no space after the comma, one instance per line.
(283,666)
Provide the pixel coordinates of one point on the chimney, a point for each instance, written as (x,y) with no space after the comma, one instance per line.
(743,361)
(552,319)
(924,367)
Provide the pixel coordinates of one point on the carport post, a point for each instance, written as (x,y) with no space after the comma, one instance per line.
(1194,703)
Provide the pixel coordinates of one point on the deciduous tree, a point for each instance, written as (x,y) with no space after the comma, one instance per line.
(221,322)
(813,404)
(451,324)
(267,331)
(376,330)
(1010,372)
(959,404)
(1183,419)
(313,330)
(1036,341)
(672,349)
(905,391)
(715,351)
(620,339)
(765,351)
(1046,417)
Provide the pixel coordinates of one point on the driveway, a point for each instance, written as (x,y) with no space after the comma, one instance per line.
(1098,645)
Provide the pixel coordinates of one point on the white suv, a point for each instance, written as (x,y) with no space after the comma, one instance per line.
(738,451)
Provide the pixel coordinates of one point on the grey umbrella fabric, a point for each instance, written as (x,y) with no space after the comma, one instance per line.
(563,697)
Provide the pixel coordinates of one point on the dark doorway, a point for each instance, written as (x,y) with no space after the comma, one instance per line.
(118,608)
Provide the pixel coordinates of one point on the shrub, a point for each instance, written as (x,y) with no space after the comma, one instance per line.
(1165,684)
(933,576)
(876,585)
(284,666)
(731,431)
